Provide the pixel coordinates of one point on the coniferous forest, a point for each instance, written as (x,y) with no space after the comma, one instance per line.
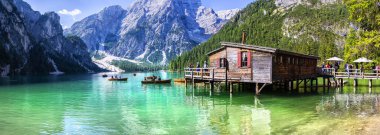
(323,30)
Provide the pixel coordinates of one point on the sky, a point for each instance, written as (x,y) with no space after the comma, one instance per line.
(75,10)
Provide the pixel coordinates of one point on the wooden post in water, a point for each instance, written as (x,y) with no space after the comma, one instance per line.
(305,85)
(328,82)
(355,82)
(257,88)
(291,85)
(370,83)
(297,86)
(311,84)
(212,80)
(341,82)
(231,87)
(316,84)
(226,80)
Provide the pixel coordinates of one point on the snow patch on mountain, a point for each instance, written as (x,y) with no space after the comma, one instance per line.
(105,62)
(56,70)
(227,14)
(164,59)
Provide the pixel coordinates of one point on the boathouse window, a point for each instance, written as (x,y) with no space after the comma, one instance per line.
(244,59)
(222,62)
(288,60)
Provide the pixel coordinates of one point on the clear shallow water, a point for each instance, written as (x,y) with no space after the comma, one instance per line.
(89,104)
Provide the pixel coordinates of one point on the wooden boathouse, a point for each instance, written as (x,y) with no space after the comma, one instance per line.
(262,66)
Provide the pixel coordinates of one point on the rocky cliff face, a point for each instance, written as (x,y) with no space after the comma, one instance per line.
(154,31)
(34,43)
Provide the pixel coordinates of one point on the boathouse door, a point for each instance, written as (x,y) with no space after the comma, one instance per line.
(262,68)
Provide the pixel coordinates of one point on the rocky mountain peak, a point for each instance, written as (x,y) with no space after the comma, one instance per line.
(34,43)
(48,26)
(153,31)
(227,14)
(110,12)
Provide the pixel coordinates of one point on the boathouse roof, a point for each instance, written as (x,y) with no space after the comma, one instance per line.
(260,49)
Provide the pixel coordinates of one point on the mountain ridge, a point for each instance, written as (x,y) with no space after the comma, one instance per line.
(153,32)
(33,43)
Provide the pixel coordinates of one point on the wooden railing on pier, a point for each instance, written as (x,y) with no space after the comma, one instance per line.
(352,74)
(205,73)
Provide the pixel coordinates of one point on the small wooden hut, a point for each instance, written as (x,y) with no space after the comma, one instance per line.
(236,62)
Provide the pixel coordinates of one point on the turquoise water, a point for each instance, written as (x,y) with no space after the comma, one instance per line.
(89,104)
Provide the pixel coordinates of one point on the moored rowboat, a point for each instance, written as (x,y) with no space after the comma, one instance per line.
(156,81)
(115,79)
(179,80)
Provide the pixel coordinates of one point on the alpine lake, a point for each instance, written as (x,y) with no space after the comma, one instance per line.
(90,104)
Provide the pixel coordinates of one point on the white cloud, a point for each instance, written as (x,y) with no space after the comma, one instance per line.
(73,13)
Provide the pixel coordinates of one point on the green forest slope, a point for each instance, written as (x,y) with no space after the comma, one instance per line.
(310,28)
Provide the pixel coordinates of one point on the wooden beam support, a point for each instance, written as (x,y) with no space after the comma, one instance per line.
(297,85)
(258,90)
(305,85)
(291,85)
(316,84)
(231,87)
(311,84)
(185,82)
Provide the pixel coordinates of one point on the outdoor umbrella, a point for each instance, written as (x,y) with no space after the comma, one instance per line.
(363,60)
(335,59)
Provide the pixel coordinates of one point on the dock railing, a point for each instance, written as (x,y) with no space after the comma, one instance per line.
(353,73)
(328,71)
(205,73)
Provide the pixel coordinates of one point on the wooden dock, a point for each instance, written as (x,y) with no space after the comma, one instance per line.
(352,74)
(239,63)
(212,76)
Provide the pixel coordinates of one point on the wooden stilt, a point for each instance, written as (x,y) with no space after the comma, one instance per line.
(226,79)
(185,82)
(304,85)
(212,86)
(316,84)
(291,85)
(286,86)
(328,82)
(231,87)
(311,85)
(297,85)
(370,83)
(257,88)
(212,81)
(355,82)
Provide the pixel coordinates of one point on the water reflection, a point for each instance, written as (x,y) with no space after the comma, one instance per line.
(349,104)
(97,106)
(229,114)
